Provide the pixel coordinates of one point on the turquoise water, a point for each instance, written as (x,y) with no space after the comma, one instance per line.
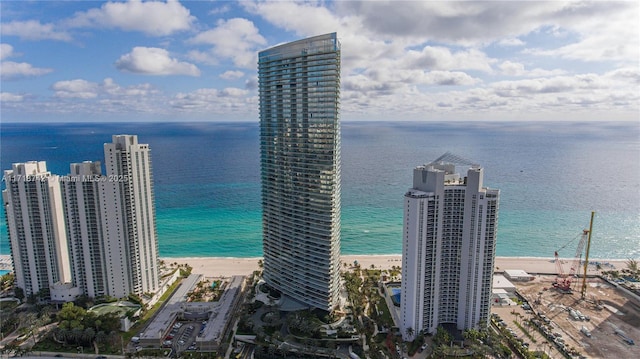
(207,180)
(3,272)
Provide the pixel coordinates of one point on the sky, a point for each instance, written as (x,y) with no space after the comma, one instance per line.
(94,61)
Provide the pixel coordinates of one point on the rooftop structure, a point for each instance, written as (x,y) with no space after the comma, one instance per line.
(218,314)
(517,275)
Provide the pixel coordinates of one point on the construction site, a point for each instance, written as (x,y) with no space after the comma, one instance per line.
(572,314)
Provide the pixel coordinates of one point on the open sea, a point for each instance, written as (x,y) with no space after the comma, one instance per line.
(207,180)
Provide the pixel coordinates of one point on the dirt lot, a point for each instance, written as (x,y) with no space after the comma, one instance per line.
(608,316)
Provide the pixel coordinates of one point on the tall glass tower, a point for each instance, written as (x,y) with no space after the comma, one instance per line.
(300,168)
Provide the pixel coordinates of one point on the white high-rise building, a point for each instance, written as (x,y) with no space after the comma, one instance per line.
(82,204)
(85,232)
(35,221)
(448,248)
(129,219)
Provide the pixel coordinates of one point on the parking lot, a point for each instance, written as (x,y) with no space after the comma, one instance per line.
(515,314)
(182,336)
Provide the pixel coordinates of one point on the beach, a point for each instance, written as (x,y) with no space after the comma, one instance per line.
(226,267)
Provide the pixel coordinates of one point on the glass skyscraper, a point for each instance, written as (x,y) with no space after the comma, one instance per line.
(299,85)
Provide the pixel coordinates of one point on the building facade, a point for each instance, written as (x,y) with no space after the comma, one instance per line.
(448,249)
(299,85)
(35,221)
(83,215)
(129,218)
(85,233)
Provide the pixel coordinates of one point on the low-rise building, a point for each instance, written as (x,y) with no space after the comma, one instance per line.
(500,282)
(517,275)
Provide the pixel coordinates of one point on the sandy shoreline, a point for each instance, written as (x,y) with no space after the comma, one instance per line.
(226,267)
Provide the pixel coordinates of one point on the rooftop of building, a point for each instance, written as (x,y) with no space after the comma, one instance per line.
(316,44)
(499,281)
(121,308)
(217,323)
(165,317)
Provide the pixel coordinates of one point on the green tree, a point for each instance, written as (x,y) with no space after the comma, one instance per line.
(632,267)
(471,334)
(410,332)
(19,293)
(101,337)
(442,337)
(7,281)
(88,335)
(71,316)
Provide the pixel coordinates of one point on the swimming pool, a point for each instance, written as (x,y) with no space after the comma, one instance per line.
(395,296)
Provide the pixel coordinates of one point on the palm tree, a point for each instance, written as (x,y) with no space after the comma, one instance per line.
(632,266)
(76,334)
(60,334)
(101,337)
(88,335)
(410,332)
(271,350)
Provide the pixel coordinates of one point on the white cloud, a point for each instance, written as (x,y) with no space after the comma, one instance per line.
(236,39)
(11,70)
(607,31)
(150,17)
(417,60)
(220,10)
(6,51)
(629,75)
(233,92)
(111,88)
(33,30)
(251,83)
(80,88)
(79,98)
(511,68)
(75,89)
(225,101)
(517,69)
(231,75)
(305,19)
(441,58)
(558,84)
(448,78)
(202,57)
(154,61)
(10,97)
(511,42)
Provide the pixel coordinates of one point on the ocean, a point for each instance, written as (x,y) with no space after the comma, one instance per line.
(207,180)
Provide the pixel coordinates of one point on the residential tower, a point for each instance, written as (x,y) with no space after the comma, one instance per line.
(299,85)
(448,248)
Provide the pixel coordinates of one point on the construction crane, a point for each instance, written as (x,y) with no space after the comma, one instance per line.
(564,280)
(586,258)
